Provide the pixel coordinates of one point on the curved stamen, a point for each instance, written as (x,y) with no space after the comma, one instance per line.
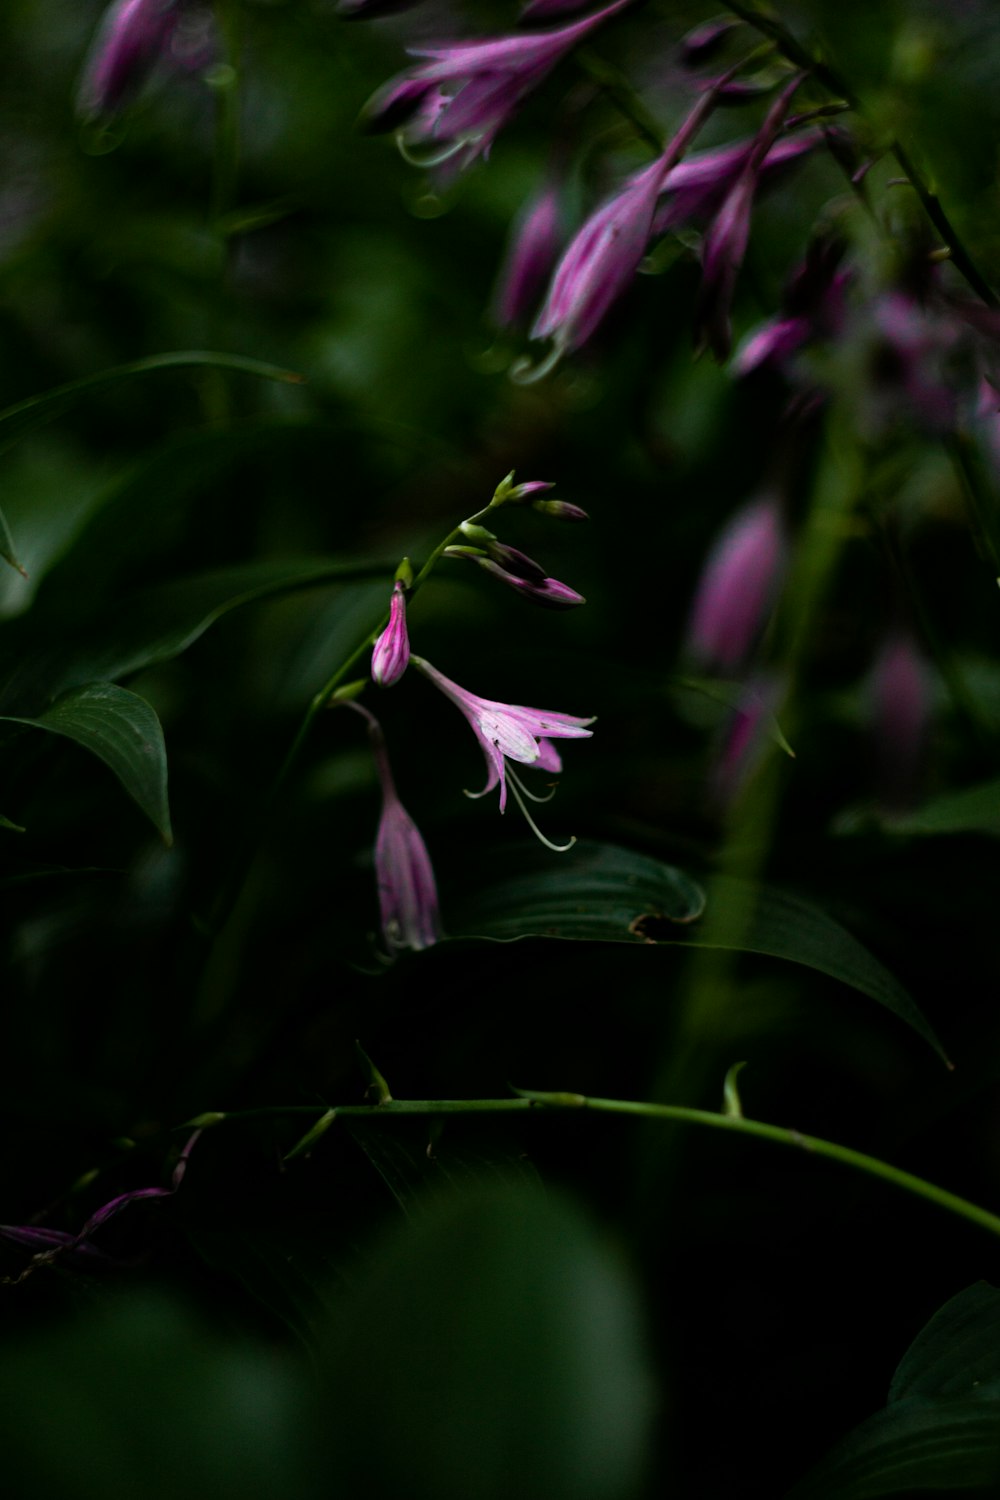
(435,159)
(524,372)
(556,848)
(531,796)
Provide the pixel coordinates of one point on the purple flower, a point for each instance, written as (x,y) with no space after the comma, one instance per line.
(391,651)
(695,188)
(726,241)
(521,573)
(508,731)
(407,892)
(461,98)
(738,585)
(814,304)
(531,253)
(751,728)
(559,510)
(899,699)
(133,36)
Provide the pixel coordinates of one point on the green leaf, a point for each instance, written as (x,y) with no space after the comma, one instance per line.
(160,623)
(976,809)
(598,893)
(24,416)
(14,827)
(957,1352)
(122,730)
(941,1427)
(496,1338)
(606,894)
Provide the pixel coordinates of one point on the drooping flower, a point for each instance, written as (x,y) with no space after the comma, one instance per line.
(696,187)
(813,304)
(726,241)
(532,251)
(132,38)
(898,691)
(508,731)
(391,652)
(738,585)
(459,100)
(407,891)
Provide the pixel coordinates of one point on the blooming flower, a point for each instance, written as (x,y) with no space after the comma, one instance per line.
(509,731)
(391,651)
(133,35)
(738,584)
(465,93)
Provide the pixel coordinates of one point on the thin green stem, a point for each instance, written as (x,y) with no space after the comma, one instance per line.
(227,117)
(858,1161)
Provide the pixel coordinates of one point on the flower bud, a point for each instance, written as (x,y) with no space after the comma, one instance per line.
(559,510)
(391,652)
(133,36)
(738,585)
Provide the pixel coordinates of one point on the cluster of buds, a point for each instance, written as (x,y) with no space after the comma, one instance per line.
(507,733)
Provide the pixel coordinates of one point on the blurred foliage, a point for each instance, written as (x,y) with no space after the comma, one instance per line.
(403,1310)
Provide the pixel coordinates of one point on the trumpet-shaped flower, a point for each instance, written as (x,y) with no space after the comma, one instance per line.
(509,731)
(407,892)
(391,652)
(134,34)
(462,96)
(738,584)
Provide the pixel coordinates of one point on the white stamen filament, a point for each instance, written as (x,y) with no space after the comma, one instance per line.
(517,789)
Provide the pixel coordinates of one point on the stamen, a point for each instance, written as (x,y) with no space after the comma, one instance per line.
(532,796)
(523,372)
(435,159)
(556,848)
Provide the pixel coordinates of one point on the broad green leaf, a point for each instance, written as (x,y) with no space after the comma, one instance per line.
(24,416)
(958,1352)
(918,1445)
(601,893)
(14,827)
(596,893)
(497,1339)
(122,730)
(941,1427)
(160,623)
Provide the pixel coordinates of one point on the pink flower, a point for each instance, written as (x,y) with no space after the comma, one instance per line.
(509,731)
(738,585)
(531,253)
(391,651)
(133,36)
(466,92)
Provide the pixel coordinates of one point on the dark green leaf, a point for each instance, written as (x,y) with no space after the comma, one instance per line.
(160,623)
(601,893)
(976,809)
(122,729)
(958,1352)
(496,1338)
(915,1445)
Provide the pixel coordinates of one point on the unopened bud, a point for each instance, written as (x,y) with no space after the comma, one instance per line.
(391,652)
(559,510)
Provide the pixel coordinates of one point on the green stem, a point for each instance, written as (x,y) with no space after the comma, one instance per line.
(227,117)
(231,888)
(528,1101)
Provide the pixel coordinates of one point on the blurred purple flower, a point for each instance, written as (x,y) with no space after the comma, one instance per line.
(133,36)
(726,241)
(461,98)
(908,346)
(532,250)
(752,727)
(391,652)
(371,10)
(508,730)
(695,188)
(898,691)
(814,305)
(738,585)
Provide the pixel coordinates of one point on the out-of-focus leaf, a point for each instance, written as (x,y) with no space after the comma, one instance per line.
(122,730)
(941,1427)
(24,416)
(14,827)
(160,623)
(285,1270)
(136,1398)
(496,1339)
(606,894)
(976,809)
